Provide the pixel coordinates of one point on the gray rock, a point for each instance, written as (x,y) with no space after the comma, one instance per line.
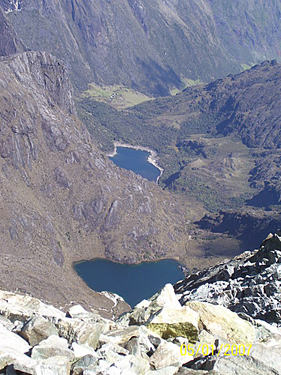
(55,365)
(168,354)
(241,365)
(82,350)
(17,361)
(249,284)
(77,311)
(38,329)
(54,346)
(76,330)
(12,343)
(83,363)
(23,307)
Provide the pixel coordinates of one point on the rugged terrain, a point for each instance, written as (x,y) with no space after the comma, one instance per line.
(9,43)
(218,143)
(192,332)
(150,46)
(62,200)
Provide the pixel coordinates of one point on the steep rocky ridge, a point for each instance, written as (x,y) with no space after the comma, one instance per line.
(169,334)
(62,200)
(151,46)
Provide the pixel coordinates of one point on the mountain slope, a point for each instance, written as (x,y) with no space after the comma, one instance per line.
(218,143)
(220,140)
(149,46)
(9,43)
(62,200)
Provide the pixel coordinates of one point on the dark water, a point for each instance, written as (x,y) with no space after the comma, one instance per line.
(136,161)
(132,282)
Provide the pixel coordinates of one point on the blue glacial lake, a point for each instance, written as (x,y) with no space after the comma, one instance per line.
(133,282)
(136,161)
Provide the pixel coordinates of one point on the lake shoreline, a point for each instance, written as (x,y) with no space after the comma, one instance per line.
(145,277)
(152,158)
(138,262)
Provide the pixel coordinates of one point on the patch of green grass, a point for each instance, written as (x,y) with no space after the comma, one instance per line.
(247,66)
(117,96)
(188,83)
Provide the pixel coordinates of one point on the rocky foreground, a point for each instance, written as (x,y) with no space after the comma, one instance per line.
(166,335)
(248,285)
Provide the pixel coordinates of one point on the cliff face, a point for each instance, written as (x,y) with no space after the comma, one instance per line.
(62,200)
(151,46)
(9,43)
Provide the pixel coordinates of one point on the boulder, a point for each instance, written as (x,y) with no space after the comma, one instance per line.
(38,329)
(113,359)
(56,365)
(83,364)
(82,350)
(242,365)
(172,330)
(145,311)
(6,323)
(133,365)
(111,352)
(76,330)
(120,336)
(269,354)
(176,322)
(164,315)
(17,361)
(78,311)
(167,297)
(220,321)
(54,346)
(23,307)
(134,338)
(168,354)
(11,342)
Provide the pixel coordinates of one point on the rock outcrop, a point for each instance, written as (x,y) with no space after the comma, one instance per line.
(160,336)
(249,285)
(9,43)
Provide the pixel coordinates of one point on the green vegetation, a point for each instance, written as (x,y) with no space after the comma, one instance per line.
(117,96)
(205,150)
(193,161)
(188,83)
(247,66)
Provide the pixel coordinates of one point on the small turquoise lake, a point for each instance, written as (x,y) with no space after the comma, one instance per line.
(136,161)
(133,282)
